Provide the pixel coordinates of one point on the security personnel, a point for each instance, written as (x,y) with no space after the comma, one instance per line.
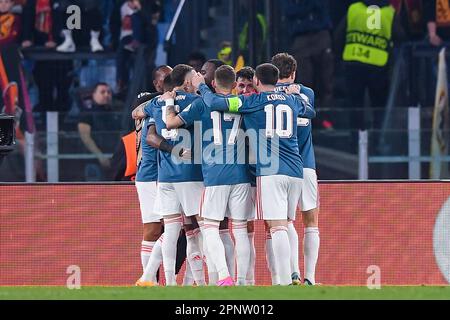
(369,33)
(368,38)
(125,158)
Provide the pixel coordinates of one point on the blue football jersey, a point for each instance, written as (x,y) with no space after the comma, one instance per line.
(148,166)
(271,123)
(223,146)
(173,169)
(304,131)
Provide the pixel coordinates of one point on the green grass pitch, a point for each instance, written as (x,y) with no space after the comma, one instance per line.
(225,293)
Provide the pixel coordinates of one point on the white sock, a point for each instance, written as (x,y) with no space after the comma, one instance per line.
(212,272)
(229,250)
(271,260)
(242,250)
(146,252)
(216,248)
(250,281)
(293,242)
(282,254)
(188,279)
(172,228)
(194,256)
(154,262)
(311,244)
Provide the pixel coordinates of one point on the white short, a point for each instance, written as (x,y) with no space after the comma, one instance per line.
(232,201)
(147,201)
(277,197)
(310,196)
(179,197)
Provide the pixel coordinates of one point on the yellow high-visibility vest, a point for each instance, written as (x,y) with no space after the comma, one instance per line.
(365,41)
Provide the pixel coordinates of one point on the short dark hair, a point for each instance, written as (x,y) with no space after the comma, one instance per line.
(216,62)
(167,84)
(285,63)
(225,76)
(267,73)
(246,73)
(179,73)
(157,69)
(100,84)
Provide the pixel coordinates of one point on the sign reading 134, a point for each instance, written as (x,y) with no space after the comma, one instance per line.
(169,134)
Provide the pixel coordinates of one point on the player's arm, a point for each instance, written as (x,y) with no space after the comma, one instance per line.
(156,141)
(185,118)
(139,106)
(172,119)
(306,110)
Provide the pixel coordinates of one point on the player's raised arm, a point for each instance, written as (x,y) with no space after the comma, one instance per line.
(142,100)
(172,120)
(306,108)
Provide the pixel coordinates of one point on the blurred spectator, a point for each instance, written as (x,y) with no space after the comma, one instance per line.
(437,16)
(244,78)
(40,28)
(260,36)
(98,125)
(126,43)
(411,17)
(225,53)
(366,57)
(196,60)
(91,21)
(143,36)
(10,24)
(310,25)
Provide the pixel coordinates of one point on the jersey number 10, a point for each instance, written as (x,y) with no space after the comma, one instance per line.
(280,128)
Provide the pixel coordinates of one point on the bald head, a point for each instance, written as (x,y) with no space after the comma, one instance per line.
(159,75)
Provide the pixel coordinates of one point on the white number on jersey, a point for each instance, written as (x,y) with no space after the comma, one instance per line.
(283,130)
(217,127)
(169,134)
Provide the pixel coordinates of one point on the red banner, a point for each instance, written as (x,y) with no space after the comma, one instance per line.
(401,228)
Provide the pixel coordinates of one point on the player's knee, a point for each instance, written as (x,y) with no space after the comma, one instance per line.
(276,223)
(311,218)
(223,224)
(152,231)
(250,226)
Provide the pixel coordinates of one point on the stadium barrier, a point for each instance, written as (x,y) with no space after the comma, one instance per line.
(400,231)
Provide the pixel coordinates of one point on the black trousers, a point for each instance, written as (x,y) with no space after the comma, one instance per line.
(359,78)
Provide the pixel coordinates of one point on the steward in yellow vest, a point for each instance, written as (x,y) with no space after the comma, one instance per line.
(369,34)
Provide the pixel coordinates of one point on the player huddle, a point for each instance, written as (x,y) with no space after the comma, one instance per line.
(220,146)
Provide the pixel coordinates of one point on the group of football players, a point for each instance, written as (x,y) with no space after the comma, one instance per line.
(221,148)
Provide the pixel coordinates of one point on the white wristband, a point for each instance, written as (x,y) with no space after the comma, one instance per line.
(170,102)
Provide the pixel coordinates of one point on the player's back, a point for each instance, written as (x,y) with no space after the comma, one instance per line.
(271,118)
(170,169)
(304,131)
(223,145)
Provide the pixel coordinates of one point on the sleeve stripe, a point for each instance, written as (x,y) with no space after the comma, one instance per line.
(179,116)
